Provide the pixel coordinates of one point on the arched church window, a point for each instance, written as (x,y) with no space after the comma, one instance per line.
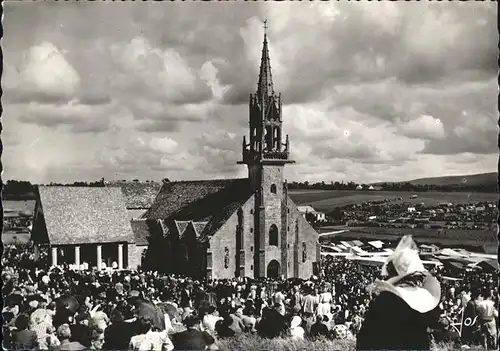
(304,252)
(273,235)
(226,257)
(273,188)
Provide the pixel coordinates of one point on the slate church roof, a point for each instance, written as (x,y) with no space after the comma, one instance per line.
(206,203)
(82,215)
(138,195)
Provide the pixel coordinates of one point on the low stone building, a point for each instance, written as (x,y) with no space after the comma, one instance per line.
(84,225)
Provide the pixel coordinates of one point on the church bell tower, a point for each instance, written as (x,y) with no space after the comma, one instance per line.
(265,155)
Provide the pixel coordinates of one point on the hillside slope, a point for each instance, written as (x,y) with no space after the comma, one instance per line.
(463,180)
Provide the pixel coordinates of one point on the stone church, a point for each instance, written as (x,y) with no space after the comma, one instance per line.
(237,227)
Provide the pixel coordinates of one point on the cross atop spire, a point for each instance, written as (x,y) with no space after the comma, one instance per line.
(265,86)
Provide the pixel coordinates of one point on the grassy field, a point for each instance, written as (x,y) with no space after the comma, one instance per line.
(12,237)
(19,205)
(254,343)
(327,200)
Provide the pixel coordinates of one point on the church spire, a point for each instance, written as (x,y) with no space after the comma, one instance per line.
(265,86)
(266,146)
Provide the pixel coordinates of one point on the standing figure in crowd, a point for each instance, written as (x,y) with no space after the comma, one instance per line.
(325,300)
(405,305)
(487,313)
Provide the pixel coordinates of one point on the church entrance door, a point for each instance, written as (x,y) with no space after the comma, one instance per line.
(273,269)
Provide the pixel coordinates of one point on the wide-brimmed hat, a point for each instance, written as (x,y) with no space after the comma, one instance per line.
(422,294)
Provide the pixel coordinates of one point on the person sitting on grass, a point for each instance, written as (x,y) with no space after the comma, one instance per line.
(319,329)
(192,338)
(296,331)
(223,328)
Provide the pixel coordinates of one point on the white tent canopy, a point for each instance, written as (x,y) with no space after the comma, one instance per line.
(451,253)
(376,244)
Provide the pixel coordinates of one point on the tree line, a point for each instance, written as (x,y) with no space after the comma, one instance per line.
(24,189)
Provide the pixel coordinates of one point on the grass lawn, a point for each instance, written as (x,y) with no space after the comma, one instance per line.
(255,343)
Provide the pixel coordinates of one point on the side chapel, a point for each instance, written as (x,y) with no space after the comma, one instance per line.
(237,227)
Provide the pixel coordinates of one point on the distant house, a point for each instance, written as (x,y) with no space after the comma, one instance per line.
(411,209)
(319,216)
(84,225)
(359,187)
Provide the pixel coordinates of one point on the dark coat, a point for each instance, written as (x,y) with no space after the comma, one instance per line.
(24,340)
(81,334)
(390,324)
(318,329)
(272,325)
(185,298)
(117,335)
(470,326)
(192,339)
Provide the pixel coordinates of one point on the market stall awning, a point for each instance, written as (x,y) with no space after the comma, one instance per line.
(489,266)
(376,244)
(451,253)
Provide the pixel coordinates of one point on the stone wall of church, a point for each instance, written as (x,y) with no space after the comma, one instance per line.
(223,267)
(134,255)
(272,185)
(297,264)
(306,235)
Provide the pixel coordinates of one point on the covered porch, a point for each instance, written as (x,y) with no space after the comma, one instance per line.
(88,256)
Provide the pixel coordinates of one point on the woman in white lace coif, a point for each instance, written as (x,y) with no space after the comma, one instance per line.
(325,301)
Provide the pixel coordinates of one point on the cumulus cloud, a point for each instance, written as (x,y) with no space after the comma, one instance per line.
(424,127)
(218,153)
(159,74)
(73,115)
(363,85)
(160,155)
(44,75)
(469,135)
(164,145)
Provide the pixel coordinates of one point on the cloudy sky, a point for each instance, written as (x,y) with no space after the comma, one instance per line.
(372,91)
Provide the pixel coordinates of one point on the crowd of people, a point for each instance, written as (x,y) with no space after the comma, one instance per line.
(56,308)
